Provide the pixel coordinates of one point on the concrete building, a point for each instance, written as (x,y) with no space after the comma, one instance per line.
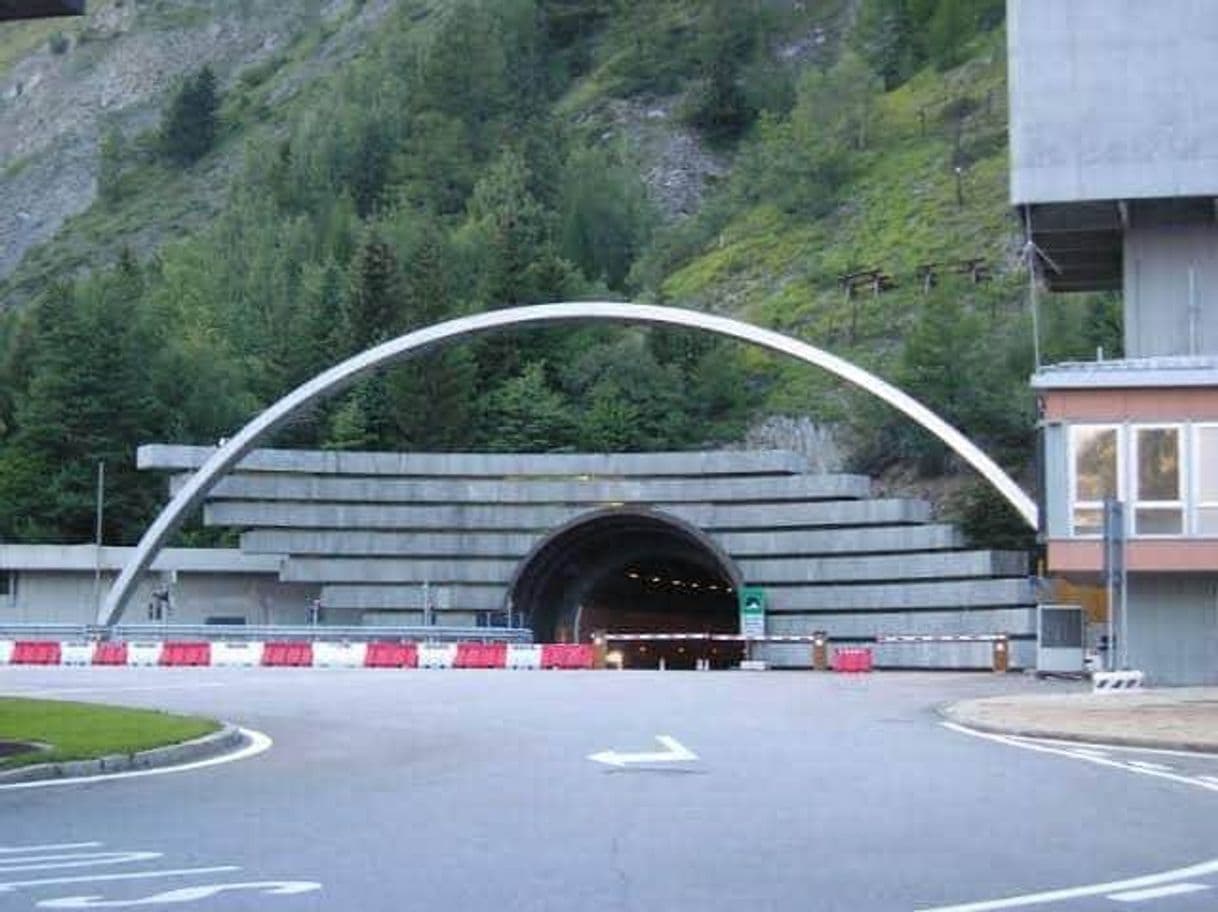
(1114,169)
(566,544)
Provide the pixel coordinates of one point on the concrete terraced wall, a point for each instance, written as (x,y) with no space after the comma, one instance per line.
(370,529)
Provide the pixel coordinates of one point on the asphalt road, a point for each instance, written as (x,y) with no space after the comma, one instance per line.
(404,790)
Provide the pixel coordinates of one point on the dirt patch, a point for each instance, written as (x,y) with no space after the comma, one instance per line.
(13,748)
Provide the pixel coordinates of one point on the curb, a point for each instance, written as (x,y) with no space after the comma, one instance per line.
(951,713)
(227,739)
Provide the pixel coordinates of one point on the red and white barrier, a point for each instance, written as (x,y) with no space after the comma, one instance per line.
(339,655)
(523,655)
(144,653)
(437,655)
(236,655)
(6,651)
(75,653)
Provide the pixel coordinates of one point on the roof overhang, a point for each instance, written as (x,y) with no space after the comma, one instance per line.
(39,9)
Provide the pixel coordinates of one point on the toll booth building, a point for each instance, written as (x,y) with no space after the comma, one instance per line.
(1114,172)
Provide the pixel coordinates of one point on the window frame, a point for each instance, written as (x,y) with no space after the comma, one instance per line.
(1075,504)
(1196,504)
(1183,489)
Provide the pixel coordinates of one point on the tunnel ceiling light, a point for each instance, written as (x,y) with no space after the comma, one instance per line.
(632,574)
(655,579)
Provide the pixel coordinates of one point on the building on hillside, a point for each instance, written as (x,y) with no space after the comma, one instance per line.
(1114,170)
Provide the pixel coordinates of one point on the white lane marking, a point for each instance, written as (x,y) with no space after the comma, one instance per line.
(138,875)
(56,691)
(1209,780)
(1083,752)
(676,753)
(258,743)
(1036,899)
(1133,896)
(54,847)
(81,860)
(184,895)
(1097,747)
(1033,745)
(1142,764)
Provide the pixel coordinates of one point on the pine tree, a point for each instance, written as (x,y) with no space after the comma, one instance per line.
(188,127)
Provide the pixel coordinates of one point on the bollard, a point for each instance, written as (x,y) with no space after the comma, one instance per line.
(820,652)
(1001,656)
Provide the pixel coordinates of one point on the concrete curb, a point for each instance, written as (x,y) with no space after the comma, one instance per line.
(954,713)
(228,738)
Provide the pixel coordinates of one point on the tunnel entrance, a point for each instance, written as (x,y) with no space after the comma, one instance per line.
(624,571)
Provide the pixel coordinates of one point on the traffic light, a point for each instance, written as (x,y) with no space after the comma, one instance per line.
(39,9)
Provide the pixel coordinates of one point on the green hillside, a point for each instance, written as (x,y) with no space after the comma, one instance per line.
(468,154)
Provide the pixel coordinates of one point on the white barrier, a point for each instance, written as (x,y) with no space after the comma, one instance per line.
(76,653)
(524,655)
(6,651)
(437,655)
(1104,682)
(236,655)
(144,653)
(339,655)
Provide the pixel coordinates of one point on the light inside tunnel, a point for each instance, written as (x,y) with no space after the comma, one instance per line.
(626,571)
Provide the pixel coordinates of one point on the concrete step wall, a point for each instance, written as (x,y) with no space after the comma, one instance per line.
(593,491)
(1013,621)
(486,465)
(758,572)
(787,542)
(710,517)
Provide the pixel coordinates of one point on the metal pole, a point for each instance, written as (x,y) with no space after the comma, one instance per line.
(97,534)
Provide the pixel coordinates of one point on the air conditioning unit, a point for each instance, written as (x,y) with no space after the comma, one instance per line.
(1059,638)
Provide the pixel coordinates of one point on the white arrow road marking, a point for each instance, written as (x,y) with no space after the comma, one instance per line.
(258,742)
(74,860)
(183,895)
(1180,889)
(676,753)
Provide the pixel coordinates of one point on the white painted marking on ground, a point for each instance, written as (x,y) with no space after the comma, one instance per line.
(258,744)
(676,753)
(79,860)
(54,847)
(183,895)
(1142,764)
(1133,896)
(1209,780)
(137,875)
(1097,746)
(1083,752)
(1036,899)
(1033,745)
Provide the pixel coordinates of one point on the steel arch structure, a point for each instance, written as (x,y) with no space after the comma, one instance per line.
(415,343)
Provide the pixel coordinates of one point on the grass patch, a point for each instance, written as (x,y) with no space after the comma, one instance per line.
(83,731)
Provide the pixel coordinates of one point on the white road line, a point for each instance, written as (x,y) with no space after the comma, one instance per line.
(1083,752)
(1033,745)
(84,860)
(1142,764)
(1036,899)
(258,743)
(138,875)
(1209,780)
(55,847)
(1097,747)
(1133,896)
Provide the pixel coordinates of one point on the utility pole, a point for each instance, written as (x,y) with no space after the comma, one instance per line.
(97,534)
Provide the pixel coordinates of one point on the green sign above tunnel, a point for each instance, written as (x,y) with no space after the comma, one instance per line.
(752,611)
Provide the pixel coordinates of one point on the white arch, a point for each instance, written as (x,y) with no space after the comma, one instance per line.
(347,372)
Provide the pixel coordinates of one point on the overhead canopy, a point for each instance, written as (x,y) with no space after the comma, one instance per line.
(39,9)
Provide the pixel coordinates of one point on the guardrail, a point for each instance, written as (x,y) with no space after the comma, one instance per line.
(240,632)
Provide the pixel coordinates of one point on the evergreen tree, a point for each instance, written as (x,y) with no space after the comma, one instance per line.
(188,126)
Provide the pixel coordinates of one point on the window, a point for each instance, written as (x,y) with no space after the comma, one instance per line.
(1158,489)
(1095,470)
(6,583)
(1207,479)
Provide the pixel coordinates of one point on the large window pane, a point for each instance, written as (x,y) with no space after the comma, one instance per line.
(1160,521)
(1207,464)
(1207,521)
(1158,464)
(1095,462)
(1088,521)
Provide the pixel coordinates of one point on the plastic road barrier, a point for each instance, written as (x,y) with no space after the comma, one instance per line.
(294,655)
(851,660)
(236,655)
(143,653)
(523,655)
(35,652)
(568,655)
(1105,682)
(186,654)
(481,655)
(339,655)
(437,655)
(110,654)
(75,653)
(6,651)
(391,655)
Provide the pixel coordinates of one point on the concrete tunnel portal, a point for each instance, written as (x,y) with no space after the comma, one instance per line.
(630,571)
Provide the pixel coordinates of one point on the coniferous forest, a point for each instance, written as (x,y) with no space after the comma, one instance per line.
(467,159)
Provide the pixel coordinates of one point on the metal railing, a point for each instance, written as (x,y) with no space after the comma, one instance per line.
(239,632)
